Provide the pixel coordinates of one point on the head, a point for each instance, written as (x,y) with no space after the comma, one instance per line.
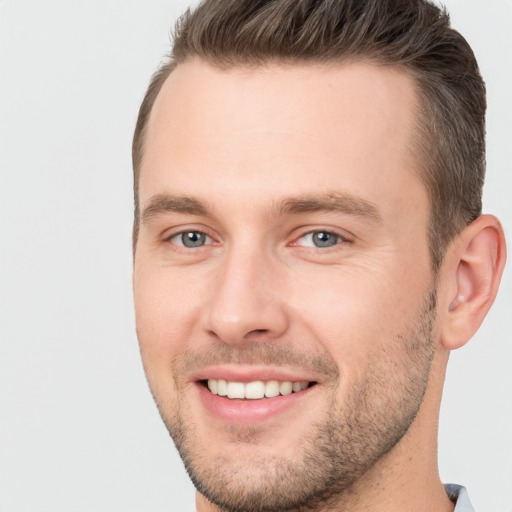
(308,243)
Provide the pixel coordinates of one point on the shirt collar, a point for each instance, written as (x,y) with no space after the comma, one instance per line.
(459,495)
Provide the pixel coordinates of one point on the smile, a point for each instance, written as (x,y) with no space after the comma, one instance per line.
(246,396)
(255,390)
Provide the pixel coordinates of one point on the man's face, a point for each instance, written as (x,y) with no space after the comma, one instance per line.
(283,247)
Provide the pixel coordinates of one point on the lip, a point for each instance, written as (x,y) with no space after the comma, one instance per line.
(249,412)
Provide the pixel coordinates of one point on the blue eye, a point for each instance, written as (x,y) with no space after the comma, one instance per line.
(190,239)
(320,239)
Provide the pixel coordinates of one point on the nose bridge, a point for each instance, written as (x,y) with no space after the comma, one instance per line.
(246,300)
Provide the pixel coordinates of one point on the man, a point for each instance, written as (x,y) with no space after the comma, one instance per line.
(308,248)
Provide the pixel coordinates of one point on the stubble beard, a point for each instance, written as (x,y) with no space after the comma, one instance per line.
(352,437)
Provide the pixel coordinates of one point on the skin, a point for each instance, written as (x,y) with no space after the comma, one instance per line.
(351,317)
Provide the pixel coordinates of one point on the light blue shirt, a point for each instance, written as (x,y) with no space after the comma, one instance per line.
(459,496)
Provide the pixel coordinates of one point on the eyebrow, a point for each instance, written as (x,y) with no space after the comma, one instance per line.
(333,202)
(165,203)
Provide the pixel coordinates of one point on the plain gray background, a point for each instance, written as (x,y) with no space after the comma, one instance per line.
(78,429)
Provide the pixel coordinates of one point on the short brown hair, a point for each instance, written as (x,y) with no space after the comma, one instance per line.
(413,35)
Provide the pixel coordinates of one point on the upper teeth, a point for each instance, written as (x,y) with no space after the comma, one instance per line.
(254,390)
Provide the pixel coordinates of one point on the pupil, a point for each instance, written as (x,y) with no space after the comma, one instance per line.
(323,239)
(193,239)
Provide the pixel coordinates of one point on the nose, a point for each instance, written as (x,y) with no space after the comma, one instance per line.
(248,300)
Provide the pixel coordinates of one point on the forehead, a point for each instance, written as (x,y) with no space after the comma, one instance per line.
(281,130)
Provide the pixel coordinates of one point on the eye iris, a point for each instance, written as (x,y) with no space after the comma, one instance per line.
(193,239)
(324,239)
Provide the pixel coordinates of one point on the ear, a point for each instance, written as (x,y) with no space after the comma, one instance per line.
(470,276)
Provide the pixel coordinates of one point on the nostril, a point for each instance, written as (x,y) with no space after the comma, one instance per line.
(256,332)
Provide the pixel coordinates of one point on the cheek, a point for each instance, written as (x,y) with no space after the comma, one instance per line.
(165,314)
(355,315)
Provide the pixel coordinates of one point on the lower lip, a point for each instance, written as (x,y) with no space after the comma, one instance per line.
(248,412)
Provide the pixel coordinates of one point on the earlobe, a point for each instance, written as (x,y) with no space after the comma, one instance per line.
(475,266)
